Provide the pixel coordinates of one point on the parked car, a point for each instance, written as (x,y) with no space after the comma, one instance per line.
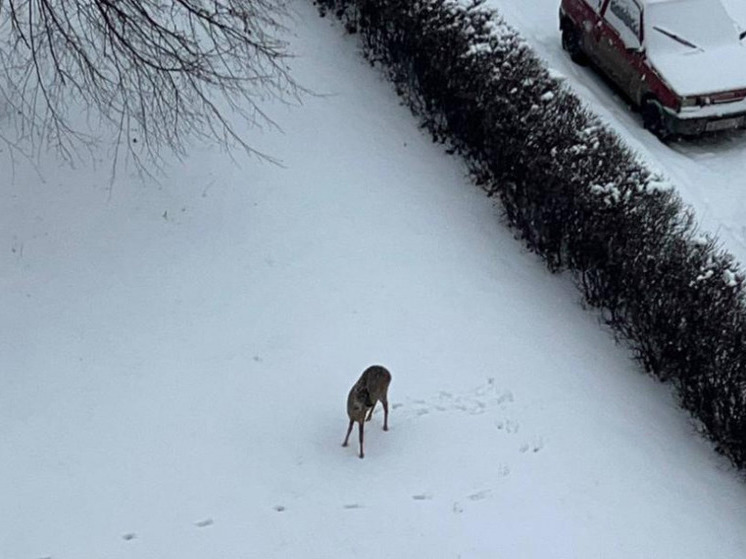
(681,62)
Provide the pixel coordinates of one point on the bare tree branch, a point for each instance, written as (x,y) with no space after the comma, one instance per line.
(171,70)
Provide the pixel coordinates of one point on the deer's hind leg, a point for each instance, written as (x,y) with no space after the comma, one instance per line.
(361,427)
(370,413)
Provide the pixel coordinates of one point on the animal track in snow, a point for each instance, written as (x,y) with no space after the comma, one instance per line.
(474,402)
(509,426)
(475,497)
(535,446)
(422,497)
(480,495)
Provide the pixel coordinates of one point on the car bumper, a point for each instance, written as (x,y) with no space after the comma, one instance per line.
(701,120)
(696,126)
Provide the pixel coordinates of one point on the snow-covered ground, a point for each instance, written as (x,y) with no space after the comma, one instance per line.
(176,356)
(710,172)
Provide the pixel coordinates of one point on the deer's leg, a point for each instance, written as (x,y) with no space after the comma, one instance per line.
(370,413)
(349,430)
(362,455)
(385,403)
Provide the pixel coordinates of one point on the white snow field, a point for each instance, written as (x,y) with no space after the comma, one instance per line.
(176,357)
(709,172)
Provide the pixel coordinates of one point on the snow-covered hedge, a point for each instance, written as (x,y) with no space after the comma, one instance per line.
(575,194)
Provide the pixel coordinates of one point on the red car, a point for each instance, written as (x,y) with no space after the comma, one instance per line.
(681,62)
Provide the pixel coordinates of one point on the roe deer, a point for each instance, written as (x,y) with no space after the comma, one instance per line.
(372,386)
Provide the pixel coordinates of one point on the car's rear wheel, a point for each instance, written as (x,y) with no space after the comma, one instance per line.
(652,119)
(571,42)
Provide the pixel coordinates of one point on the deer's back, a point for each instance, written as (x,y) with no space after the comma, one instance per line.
(371,387)
(376,379)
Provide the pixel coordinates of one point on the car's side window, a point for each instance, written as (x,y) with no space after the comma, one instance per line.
(626,17)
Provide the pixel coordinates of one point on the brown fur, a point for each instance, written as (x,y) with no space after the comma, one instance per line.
(372,387)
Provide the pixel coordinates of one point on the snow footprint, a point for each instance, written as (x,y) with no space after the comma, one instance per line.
(480,495)
(535,446)
(474,402)
(422,497)
(509,426)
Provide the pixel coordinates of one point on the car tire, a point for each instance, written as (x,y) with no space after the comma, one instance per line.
(652,119)
(572,44)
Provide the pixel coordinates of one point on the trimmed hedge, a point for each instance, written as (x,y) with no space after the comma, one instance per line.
(574,193)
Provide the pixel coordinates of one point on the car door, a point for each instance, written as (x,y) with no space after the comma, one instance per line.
(592,29)
(619,49)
